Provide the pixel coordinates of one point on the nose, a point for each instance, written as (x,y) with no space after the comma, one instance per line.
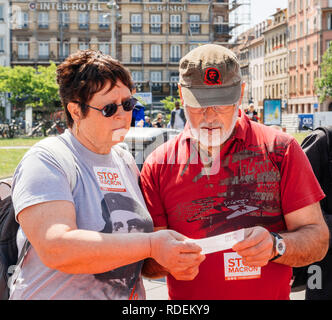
(209,114)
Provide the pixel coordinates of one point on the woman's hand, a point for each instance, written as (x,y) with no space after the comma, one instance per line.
(179,258)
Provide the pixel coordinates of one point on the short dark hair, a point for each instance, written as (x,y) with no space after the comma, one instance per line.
(85,73)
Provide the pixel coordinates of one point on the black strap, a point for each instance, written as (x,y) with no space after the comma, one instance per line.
(24,250)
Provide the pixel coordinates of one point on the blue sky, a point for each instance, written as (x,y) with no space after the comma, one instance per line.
(262,9)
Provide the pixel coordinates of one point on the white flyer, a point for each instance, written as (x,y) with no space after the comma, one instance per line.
(220,242)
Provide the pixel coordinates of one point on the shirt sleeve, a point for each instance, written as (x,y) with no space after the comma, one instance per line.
(299,186)
(149,185)
(38,178)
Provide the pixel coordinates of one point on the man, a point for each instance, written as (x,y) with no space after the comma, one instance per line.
(178,119)
(224,173)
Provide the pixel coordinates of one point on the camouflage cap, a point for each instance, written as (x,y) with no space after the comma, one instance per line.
(210,76)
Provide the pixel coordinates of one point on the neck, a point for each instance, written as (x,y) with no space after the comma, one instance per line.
(99,148)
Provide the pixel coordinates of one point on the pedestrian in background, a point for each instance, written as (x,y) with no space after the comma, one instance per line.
(178,119)
(252,113)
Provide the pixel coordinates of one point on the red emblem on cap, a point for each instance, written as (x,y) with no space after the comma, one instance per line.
(212,77)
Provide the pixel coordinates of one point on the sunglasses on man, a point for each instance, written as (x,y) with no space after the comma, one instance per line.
(110,109)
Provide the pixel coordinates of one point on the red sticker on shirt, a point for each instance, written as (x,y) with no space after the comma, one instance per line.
(212,77)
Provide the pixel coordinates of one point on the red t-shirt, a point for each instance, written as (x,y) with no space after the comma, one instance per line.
(261,175)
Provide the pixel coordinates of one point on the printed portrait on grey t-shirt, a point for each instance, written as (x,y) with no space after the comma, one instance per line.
(123,215)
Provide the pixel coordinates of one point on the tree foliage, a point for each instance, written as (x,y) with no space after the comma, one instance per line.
(30,86)
(324,83)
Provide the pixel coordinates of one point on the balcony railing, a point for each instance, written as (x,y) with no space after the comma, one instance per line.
(175,30)
(155,59)
(43,57)
(174,59)
(23,57)
(135,29)
(155,30)
(136,59)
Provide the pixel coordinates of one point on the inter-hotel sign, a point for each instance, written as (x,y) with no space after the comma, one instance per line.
(66,6)
(76,6)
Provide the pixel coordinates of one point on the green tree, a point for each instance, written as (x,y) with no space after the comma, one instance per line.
(324,83)
(28,86)
(169,105)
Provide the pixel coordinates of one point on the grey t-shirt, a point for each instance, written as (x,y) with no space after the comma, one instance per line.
(107,199)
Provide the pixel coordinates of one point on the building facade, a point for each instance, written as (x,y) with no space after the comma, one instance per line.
(276,59)
(256,65)
(310,30)
(51,30)
(148,37)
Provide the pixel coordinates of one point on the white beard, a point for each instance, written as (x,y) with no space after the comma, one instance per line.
(218,137)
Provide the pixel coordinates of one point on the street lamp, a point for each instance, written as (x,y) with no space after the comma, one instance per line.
(114,7)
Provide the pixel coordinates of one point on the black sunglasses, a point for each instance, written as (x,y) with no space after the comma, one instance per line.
(110,109)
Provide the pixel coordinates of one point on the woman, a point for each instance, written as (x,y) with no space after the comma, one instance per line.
(89,242)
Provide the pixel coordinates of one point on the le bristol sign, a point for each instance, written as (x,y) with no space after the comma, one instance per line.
(165,7)
(65,6)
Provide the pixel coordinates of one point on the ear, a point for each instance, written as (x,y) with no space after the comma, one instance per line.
(242,92)
(180,94)
(75,111)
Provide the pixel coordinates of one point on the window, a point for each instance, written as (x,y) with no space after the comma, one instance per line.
(329,21)
(103,21)
(83,20)
(301,29)
(174,79)
(155,23)
(65,50)
(64,19)
(220,27)
(155,55)
(308,54)
(104,47)
(1,13)
(23,50)
(2,45)
(43,20)
(315,52)
(136,23)
(43,50)
(22,20)
(175,53)
(83,45)
(194,23)
(308,85)
(301,56)
(175,23)
(136,53)
(156,78)
(301,83)
(137,76)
